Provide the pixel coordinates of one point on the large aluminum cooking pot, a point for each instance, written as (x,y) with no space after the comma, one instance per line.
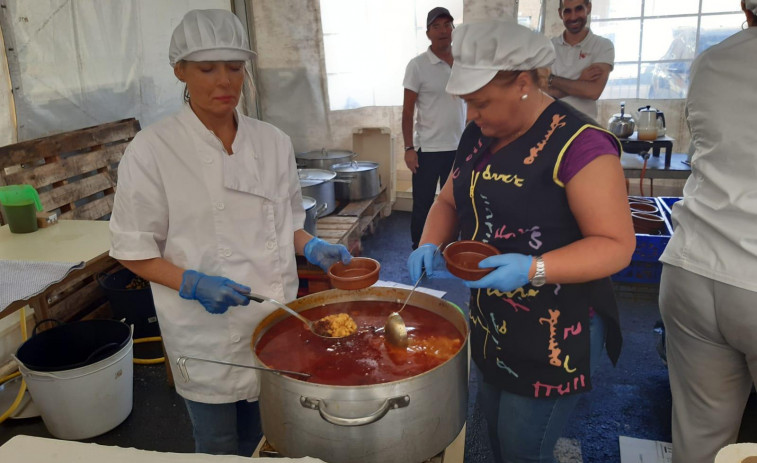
(361,180)
(323,158)
(406,421)
(319,185)
(311,213)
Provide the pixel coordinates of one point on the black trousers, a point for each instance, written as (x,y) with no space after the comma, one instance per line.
(432,168)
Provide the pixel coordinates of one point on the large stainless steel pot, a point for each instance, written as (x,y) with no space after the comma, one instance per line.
(319,185)
(312,209)
(406,421)
(361,180)
(323,158)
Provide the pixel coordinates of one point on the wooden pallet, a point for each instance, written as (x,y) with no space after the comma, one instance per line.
(354,220)
(75,174)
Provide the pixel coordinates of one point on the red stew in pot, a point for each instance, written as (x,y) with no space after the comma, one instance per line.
(365,357)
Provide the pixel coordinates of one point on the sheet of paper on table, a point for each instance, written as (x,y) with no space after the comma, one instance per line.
(634,450)
(394,284)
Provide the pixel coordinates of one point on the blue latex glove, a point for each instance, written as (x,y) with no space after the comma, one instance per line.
(324,254)
(429,257)
(511,272)
(216,294)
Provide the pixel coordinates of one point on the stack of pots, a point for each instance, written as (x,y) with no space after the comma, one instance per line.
(318,184)
(328,176)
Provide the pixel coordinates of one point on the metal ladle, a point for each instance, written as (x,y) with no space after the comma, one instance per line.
(181,362)
(260,299)
(395,329)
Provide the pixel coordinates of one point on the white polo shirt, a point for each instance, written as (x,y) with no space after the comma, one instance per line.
(439,116)
(571,60)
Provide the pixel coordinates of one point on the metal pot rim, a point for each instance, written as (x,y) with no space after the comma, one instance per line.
(308,202)
(325,154)
(354,166)
(371,293)
(315,175)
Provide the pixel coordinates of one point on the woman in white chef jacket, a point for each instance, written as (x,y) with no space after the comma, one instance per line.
(708,289)
(209,208)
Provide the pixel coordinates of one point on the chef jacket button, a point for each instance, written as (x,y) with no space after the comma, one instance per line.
(225,252)
(208,160)
(235,338)
(270,245)
(220,206)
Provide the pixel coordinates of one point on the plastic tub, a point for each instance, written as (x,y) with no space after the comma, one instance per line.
(88,400)
(135,305)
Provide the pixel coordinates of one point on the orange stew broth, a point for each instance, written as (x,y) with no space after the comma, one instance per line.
(364,357)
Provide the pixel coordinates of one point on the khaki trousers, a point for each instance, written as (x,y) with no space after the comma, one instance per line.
(711,335)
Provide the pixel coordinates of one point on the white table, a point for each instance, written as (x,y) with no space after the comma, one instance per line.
(27,449)
(633,164)
(72,241)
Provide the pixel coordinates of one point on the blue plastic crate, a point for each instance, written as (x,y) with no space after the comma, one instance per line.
(645,266)
(666,204)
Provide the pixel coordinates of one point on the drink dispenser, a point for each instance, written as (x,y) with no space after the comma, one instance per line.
(19,205)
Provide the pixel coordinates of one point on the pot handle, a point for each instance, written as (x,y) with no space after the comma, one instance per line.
(321,207)
(321,405)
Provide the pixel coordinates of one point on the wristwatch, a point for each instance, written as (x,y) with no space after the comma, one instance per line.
(408,148)
(540,276)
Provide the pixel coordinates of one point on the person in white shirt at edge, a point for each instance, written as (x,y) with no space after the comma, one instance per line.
(209,208)
(430,149)
(708,288)
(584,60)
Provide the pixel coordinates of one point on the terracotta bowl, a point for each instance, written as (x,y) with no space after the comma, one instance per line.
(643,207)
(647,223)
(462,258)
(360,273)
(640,199)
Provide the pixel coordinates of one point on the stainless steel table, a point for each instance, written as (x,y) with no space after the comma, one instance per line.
(633,163)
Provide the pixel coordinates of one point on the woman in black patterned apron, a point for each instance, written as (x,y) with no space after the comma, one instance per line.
(542,183)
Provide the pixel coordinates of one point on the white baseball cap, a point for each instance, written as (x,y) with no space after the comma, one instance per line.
(209,35)
(480,50)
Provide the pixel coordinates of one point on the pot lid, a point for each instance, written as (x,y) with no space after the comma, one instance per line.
(354,166)
(315,176)
(325,154)
(308,202)
(622,117)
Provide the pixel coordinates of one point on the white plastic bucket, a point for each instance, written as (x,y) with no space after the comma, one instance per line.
(87,401)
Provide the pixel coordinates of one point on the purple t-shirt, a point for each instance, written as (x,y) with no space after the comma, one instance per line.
(587,146)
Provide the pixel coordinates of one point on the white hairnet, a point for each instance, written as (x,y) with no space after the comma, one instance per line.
(480,50)
(751,5)
(209,35)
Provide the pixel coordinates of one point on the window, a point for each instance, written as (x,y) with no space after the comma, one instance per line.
(657,40)
(368,45)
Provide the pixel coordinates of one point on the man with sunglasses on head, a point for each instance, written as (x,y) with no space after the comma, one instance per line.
(438,121)
(584,60)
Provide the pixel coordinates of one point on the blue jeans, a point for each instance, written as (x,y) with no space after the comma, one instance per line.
(225,429)
(526,429)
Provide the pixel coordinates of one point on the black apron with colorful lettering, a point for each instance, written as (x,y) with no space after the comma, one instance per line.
(531,341)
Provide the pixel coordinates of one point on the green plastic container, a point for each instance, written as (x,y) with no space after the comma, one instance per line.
(20,204)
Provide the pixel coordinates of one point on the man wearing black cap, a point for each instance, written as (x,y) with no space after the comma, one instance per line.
(430,148)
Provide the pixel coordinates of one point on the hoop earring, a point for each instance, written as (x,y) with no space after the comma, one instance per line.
(524,97)
(745,26)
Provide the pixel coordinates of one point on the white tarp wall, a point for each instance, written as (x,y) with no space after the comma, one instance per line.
(78,63)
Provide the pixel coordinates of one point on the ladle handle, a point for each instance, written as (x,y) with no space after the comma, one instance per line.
(181,362)
(260,299)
